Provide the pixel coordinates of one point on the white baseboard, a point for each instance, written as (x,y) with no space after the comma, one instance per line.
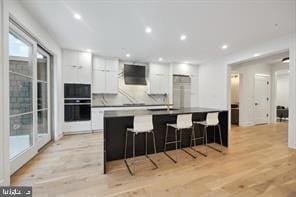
(58,137)
(246,124)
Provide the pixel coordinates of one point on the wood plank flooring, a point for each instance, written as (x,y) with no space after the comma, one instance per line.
(258,163)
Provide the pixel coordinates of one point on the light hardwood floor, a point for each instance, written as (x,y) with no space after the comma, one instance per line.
(257,164)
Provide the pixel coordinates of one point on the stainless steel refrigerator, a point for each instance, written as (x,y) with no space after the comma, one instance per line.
(181,91)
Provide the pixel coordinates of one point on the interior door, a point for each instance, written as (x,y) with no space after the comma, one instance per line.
(261,99)
(43,98)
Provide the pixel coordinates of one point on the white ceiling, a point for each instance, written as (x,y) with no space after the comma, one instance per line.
(114,28)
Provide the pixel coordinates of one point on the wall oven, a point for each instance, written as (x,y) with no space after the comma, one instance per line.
(77,110)
(77,102)
(77,90)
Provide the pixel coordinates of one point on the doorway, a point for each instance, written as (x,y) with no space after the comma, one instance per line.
(259,92)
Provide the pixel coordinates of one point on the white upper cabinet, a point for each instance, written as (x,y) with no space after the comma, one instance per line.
(99,81)
(77,67)
(159,82)
(111,82)
(105,76)
(159,69)
(111,65)
(98,63)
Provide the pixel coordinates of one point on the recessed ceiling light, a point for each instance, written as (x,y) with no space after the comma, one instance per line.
(88,50)
(148,30)
(257,54)
(183,37)
(160,59)
(77,16)
(128,55)
(224,47)
(286,60)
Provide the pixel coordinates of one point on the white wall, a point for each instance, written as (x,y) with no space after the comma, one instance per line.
(214,77)
(282,89)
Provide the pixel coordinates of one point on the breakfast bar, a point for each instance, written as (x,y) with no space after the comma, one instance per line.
(116,123)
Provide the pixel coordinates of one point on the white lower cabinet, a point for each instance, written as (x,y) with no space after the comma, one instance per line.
(97,119)
(77,127)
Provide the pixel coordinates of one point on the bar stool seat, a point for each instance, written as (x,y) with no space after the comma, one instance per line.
(212,120)
(184,121)
(143,124)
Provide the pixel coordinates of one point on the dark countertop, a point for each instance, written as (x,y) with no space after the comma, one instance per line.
(132,105)
(128,113)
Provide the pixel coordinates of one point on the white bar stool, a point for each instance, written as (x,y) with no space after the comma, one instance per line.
(184,121)
(142,124)
(212,120)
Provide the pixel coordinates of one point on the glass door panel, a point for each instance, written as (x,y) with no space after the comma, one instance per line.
(44,135)
(21,99)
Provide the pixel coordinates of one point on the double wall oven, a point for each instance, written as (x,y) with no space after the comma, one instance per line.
(77,102)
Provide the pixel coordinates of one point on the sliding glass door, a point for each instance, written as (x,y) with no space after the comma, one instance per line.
(43,96)
(28,98)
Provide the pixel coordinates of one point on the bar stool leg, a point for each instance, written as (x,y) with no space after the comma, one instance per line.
(125,145)
(220,138)
(194,157)
(165,144)
(193,131)
(146,144)
(193,137)
(214,134)
(165,141)
(176,138)
(134,152)
(154,144)
(206,134)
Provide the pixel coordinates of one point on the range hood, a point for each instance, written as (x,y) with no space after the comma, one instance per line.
(134,74)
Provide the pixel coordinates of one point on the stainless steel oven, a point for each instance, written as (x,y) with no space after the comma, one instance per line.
(77,90)
(77,110)
(77,102)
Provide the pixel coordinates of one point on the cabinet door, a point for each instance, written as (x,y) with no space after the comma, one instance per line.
(98,85)
(98,63)
(84,75)
(155,81)
(111,65)
(111,82)
(159,69)
(70,58)
(84,59)
(70,74)
(165,84)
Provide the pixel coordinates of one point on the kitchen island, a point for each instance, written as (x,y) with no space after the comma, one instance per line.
(116,123)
